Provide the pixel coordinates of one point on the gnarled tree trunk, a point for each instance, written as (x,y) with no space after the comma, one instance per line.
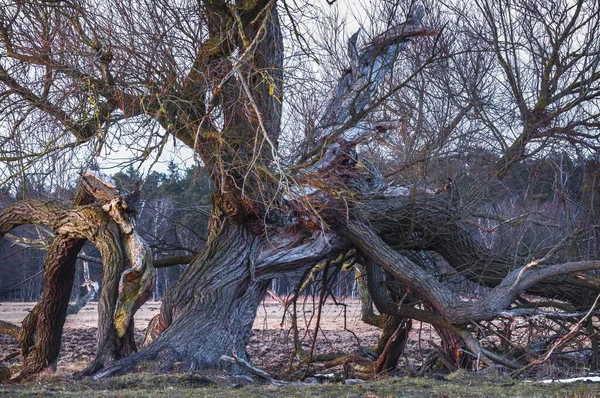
(209,312)
(270,218)
(40,344)
(40,335)
(211,309)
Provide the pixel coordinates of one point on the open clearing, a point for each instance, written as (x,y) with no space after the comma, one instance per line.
(270,348)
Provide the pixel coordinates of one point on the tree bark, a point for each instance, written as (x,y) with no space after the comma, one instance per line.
(72,226)
(394,329)
(263,210)
(59,273)
(41,334)
(210,310)
(434,222)
(394,335)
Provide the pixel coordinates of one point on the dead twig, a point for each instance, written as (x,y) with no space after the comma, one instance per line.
(275,297)
(256,371)
(559,342)
(318,322)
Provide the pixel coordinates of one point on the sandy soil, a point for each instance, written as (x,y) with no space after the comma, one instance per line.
(269,315)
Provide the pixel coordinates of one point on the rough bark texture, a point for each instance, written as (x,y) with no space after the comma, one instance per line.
(453,348)
(211,309)
(433,222)
(59,273)
(269,219)
(394,335)
(73,225)
(394,329)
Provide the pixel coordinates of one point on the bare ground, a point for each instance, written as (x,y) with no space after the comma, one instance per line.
(271,348)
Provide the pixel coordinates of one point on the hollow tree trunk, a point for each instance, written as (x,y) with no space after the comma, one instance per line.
(210,311)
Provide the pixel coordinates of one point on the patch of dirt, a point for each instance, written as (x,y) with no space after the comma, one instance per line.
(270,346)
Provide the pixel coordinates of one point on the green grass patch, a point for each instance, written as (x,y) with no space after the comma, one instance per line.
(460,384)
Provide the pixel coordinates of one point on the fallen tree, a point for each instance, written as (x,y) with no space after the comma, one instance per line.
(269,217)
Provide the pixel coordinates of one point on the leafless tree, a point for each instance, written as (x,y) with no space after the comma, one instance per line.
(546,61)
(210,74)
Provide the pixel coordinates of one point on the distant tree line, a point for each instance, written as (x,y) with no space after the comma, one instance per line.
(170,209)
(558,192)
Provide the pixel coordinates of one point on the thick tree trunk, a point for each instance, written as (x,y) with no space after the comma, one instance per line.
(41,334)
(59,272)
(210,311)
(394,329)
(110,346)
(72,226)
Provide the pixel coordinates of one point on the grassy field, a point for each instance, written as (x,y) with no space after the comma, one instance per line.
(213,385)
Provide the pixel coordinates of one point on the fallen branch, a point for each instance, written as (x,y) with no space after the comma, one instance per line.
(10,329)
(559,342)
(258,372)
(365,370)
(532,313)
(346,359)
